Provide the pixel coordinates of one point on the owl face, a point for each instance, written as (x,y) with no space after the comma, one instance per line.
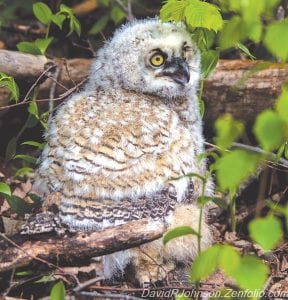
(148,56)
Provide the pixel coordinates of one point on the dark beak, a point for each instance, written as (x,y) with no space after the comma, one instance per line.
(178,70)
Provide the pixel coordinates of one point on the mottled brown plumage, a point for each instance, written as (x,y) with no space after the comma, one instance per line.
(114,151)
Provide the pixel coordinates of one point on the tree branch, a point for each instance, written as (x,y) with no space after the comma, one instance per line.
(81,245)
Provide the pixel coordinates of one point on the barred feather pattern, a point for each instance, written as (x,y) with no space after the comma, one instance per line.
(114,161)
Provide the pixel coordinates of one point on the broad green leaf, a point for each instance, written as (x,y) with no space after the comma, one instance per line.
(255,30)
(202,200)
(74,26)
(173,10)
(23,171)
(205,263)
(270,130)
(5,189)
(18,205)
(267,232)
(10,84)
(209,60)
(65,9)
(34,144)
(229,259)
(201,107)
(282,104)
(26,157)
(99,25)
(43,44)
(28,47)
(11,149)
(45,279)
(58,19)
(245,50)
(104,2)
(251,273)
(58,291)
(235,167)
(228,131)
(42,12)
(178,232)
(33,109)
(232,33)
(203,14)
(276,39)
(117,14)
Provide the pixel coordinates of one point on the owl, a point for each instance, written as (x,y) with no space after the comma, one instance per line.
(120,149)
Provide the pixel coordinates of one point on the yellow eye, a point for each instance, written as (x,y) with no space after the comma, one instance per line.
(157,60)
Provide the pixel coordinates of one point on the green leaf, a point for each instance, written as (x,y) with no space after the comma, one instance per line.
(203,14)
(18,205)
(229,259)
(23,171)
(269,129)
(173,10)
(235,167)
(58,19)
(251,273)
(218,201)
(10,84)
(276,39)
(245,50)
(267,232)
(65,9)
(42,12)
(27,158)
(33,109)
(74,26)
(99,25)
(117,14)
(11,149)
(28,47)
(209,60)
(228,131)
(232,33)
(34,144)
(5,189)
(282,104)
(205,263)
(201,107)
(46,279)
(58,291)
(178,232)
(43,44)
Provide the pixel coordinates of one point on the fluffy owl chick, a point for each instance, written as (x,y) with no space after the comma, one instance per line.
(113,150)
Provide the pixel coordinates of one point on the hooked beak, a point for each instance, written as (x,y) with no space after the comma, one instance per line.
(178,70)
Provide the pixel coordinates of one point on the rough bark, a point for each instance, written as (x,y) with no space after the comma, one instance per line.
(81,245)
(242,88)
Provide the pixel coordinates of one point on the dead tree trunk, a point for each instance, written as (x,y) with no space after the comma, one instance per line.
(242,88)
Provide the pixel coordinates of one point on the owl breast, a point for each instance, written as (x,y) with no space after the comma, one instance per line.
(103,148)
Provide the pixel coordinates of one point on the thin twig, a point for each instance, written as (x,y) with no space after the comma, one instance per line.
(281,162)
(37,81)
(61,97)
(87,283)
(30,255)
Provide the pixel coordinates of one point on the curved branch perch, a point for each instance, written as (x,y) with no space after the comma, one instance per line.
(80,245)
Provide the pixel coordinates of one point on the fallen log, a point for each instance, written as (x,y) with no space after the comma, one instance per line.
(242,88)
(80,245)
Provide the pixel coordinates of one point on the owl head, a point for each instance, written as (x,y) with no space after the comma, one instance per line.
(148,56)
